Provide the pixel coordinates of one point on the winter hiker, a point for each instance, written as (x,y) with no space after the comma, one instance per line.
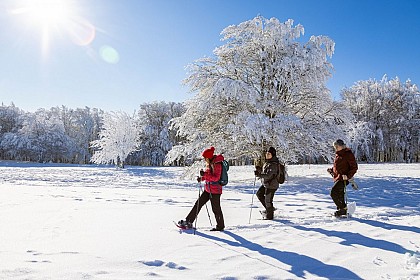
(212,190)
(268,175)
(345,166)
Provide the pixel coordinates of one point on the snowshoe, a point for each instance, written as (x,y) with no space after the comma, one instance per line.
(351,208)
(217,229)
(184,225)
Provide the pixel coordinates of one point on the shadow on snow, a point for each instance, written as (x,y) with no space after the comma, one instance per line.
(299,263)
(352,238)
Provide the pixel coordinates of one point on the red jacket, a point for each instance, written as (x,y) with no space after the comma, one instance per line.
(211,178)
(344,164)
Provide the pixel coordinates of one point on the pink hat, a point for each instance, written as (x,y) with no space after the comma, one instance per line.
(208,153)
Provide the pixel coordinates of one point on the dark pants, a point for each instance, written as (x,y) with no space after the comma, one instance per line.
(337,194)
(215,206)
(265,196)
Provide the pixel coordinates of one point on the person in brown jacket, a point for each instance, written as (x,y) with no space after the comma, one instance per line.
(345,166)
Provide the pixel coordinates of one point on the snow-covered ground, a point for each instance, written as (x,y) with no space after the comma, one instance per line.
(88,222)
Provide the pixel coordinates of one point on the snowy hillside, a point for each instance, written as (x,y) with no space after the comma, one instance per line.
(87,222)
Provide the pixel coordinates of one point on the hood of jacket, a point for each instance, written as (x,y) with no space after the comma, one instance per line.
(218,158)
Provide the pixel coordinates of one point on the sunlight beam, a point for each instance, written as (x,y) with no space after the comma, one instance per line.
(54,19)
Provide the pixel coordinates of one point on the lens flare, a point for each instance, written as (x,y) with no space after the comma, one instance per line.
(109,54)
(81,32)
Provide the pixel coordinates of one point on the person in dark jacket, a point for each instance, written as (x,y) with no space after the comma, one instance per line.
(212,190)
(268,175)
(345,166)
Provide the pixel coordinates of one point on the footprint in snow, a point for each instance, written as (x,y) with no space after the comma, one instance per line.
(175,266)
(156,263)
(152,263)
(378,261)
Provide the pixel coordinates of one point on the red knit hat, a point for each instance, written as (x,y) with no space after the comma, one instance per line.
(208,153)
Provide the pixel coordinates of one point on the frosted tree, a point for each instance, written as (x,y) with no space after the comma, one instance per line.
(83,126)
(262,87)
(10,121)
(388,119)
(59,134)
(155,139)
(117,139)
(40,138)
(9,118)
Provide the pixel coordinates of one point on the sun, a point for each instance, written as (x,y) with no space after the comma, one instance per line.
(44,13)
(54,18)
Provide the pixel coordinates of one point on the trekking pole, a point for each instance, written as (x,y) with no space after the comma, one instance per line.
(252,200)
(197,205)
(345,192)
(345,197)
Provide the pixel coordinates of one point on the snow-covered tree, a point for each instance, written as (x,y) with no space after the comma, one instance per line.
(388,119)
(155,139)
(262,88)
(9,118)
(117,139)
(83,126)
(10,122)
(41,138)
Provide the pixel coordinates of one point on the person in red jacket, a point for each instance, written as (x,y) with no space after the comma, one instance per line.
(345,166)
(212,190)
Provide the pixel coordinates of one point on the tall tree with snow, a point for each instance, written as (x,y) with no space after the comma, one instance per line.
(117,139)
(83,126)
(388,119)
(155,139)
(262,88)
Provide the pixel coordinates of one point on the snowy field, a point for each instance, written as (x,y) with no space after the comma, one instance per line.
(87,222)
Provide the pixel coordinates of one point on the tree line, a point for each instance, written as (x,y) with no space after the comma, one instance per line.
(385,117)
(65,135)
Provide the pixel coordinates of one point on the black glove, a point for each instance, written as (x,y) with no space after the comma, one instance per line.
(330,170)
(201,172)
(257,173)
(198,179)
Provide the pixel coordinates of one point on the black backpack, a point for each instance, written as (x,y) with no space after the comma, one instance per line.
(224,176)
(281,174)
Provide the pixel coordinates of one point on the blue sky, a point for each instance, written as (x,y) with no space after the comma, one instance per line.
(128,52)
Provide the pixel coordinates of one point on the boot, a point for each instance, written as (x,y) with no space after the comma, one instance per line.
(185,224)
(340,212)
(265,211)
(217,229)
(269,214)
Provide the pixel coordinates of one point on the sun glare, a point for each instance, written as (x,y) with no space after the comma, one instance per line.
(47,12)
(54,17)
(44,13)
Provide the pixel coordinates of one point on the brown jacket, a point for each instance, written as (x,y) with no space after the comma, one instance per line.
(269,174)
(344,164)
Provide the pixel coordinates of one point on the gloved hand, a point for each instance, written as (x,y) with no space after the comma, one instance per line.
(257,173)
(198,179)
(330,170)
(201,172)
(353,184)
